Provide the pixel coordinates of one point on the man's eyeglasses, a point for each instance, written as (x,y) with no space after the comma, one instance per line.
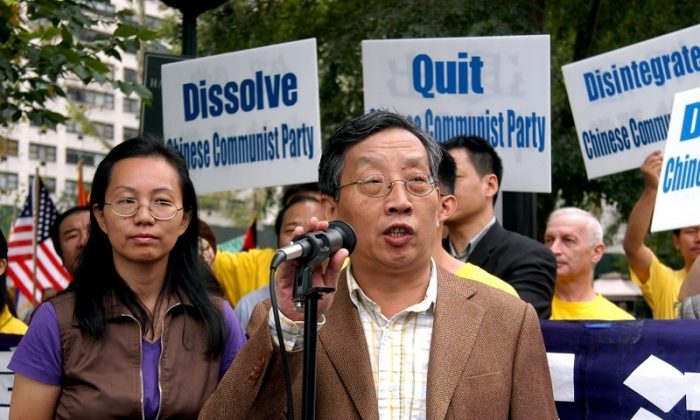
(160,209)
(380,185)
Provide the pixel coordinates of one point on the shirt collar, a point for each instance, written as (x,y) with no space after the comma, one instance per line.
(472,244)
(359,298)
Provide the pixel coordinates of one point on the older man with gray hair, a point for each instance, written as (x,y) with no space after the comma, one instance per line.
(575,237)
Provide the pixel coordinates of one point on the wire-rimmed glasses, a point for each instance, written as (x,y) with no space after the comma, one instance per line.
(159,209)
(380,185)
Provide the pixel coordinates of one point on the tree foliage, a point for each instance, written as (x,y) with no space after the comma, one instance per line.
(42,41)
(578,29)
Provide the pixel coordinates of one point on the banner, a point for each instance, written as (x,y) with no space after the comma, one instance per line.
(8,342)
(246,119)
(497,88)
(624,369)
(621,100)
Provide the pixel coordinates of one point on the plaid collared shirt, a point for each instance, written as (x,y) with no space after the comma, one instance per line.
(399,350)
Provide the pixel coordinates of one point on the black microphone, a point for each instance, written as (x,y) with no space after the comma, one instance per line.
(315,247)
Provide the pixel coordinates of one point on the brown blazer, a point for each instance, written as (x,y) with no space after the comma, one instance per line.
(487,361)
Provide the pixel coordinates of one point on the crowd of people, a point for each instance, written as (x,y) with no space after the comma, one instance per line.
(438,302)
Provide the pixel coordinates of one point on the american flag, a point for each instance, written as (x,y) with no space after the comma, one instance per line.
(49,268)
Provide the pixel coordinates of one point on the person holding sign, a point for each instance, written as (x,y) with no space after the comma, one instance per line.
(576,239)
(138,334)
(475,235)
(400,337)
(660,284)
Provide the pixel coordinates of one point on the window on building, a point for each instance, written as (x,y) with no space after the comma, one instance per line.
(9,181)
(88,97)
(131,105)
(74,156)
(73,127)
(102,8)
(88,35)
(72,188)
(104,130)
(130,133)
(49,183)
(42,152)
(9,147)
(153,22)
(130,76)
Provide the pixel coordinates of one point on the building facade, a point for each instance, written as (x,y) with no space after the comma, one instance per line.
(100,118)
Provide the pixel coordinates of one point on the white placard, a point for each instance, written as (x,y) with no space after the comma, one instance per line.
(621,100)
(495,87)
(246,119)
(678,196)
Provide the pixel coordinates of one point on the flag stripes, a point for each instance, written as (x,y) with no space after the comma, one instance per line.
(50,272)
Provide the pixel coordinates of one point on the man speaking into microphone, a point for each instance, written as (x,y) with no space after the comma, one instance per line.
(400,338)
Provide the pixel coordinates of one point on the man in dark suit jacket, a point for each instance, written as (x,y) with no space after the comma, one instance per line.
(475,235)
(402,338)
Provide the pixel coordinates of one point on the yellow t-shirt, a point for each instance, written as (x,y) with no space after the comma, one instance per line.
(474,272)
(10,324)
(598,309)
(662,289)
(240,273)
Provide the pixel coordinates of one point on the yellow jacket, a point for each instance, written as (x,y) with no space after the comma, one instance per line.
(11,325)
(474,272)
(239,273)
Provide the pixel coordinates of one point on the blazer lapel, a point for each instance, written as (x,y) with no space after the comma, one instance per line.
(488,242)
(456,327)
(345,345)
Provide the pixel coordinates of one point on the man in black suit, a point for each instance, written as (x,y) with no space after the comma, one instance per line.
(475,235)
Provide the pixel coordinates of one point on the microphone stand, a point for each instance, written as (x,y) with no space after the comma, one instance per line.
(308,296)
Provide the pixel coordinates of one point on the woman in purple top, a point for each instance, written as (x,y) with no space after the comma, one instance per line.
(139,333)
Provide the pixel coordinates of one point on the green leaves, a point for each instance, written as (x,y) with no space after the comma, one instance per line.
(50,40)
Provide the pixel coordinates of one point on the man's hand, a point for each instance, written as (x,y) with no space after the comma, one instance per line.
(324,275)
(651,169)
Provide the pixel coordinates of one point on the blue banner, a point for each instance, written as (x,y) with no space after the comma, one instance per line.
(625,369)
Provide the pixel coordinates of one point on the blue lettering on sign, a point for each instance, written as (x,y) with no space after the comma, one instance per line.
(681,174)
(263,91)
(447,77)
(691,122)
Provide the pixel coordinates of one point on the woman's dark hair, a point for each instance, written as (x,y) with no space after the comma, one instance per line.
(96,278)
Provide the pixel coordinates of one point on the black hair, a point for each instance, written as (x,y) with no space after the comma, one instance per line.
(96,278)
(55,230)
(355,131)
(4,296)
(447,173)
(481,155)
(297,189)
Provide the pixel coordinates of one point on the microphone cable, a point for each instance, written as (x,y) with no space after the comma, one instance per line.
(283,347)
